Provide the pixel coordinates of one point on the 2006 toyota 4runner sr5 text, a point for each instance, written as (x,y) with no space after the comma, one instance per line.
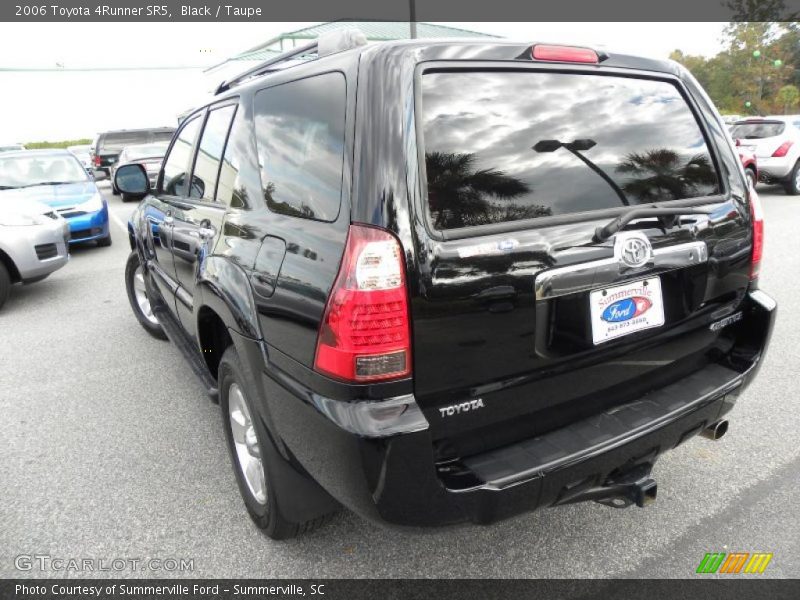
(438,282)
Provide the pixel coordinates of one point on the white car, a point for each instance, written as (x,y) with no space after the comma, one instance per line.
(11,147)
(776,143)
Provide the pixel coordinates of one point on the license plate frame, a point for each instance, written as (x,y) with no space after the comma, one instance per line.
(625,309)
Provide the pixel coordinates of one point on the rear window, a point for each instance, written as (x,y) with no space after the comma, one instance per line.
(506,146)
(161,136)
(117,140)
(758,130)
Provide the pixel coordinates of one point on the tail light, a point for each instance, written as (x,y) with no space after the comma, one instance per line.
(564,54)
(365,332)
(96,160)
(757,214)
(782,150)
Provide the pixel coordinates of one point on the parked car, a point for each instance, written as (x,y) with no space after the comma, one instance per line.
(84,156)
(776,144)
(11,147)
(750,164)
(33,239)
(108,145)
(453,281)
(148,155)
(56,178)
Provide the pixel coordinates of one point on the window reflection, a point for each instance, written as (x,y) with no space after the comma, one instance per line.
(480,130)
(177,162)
(300,139)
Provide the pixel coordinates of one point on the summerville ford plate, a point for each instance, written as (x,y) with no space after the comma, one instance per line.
(626,309)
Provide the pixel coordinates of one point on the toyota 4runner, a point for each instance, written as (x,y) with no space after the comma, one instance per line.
(438,282)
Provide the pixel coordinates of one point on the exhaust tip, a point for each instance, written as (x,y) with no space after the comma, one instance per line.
(716,430)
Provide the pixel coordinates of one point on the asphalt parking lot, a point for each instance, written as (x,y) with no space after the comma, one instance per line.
(110,449)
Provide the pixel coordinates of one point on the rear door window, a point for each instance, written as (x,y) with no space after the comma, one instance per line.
(757,130)
(300,136)
(209,153)
(510,145)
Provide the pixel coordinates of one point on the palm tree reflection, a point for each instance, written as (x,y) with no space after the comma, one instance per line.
(460,196)
(661,174)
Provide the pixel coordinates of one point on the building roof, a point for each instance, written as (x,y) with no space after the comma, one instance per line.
(374,31)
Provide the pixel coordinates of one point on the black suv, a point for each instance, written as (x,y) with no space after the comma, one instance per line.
(107,146)
(438,282)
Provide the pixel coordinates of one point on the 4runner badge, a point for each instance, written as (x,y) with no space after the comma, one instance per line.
(455,409)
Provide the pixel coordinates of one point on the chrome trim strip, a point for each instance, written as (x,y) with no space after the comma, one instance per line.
(587,276)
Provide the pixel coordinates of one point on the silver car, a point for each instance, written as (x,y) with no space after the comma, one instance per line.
(150,156)
(33,243)
(776,143)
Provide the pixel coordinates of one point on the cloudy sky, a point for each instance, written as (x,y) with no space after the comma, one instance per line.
(51,105)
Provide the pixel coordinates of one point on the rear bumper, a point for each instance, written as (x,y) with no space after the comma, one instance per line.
(770,168)
(394,479)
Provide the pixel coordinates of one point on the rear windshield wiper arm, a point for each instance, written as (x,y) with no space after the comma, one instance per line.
(601,234)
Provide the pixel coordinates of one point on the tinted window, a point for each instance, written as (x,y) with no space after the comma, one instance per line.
(118,140)
(209,154)
(300,136)
(505,146)
(755,131)
(176,163)
(161,136)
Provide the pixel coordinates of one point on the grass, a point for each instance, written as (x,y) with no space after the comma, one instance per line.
(62,144)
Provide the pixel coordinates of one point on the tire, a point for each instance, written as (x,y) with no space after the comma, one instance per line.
(5,284)
(263,501)
(750,176)
(104,242)
(792,185)
(135,288)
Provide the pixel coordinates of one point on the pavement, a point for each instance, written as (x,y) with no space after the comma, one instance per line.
(111,450)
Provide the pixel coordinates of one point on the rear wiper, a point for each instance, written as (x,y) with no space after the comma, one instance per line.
(601,234)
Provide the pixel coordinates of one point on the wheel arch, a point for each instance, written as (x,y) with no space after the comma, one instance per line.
(13,272)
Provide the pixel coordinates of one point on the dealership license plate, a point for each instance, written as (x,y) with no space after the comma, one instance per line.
(626,309)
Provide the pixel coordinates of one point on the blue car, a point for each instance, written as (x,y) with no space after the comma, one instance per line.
(57,178)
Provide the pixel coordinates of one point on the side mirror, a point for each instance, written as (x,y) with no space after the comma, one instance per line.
(132,180)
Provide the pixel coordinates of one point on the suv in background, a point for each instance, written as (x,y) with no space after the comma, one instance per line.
(438,282)
(776,144)
(108,145)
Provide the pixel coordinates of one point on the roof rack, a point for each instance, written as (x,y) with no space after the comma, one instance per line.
(329,43)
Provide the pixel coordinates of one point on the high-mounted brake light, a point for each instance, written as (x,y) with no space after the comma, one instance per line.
(757,215)
(564,54)
(365,333)
(782,150)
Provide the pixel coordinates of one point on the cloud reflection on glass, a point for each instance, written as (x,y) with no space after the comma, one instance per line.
(480,129)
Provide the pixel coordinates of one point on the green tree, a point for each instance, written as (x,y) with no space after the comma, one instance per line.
(788,97)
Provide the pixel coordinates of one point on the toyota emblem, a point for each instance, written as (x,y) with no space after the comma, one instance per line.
(632,249)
